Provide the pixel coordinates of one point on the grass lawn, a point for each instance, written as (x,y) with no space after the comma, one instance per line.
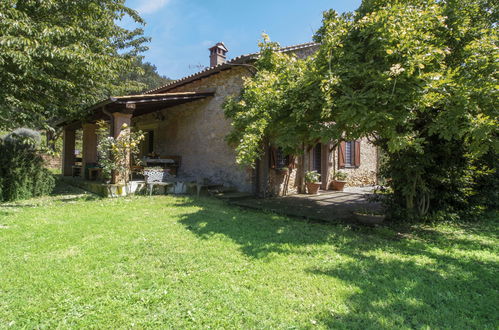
(78,261)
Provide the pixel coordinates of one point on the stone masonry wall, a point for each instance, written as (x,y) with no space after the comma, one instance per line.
(282,184)
(196,131)
(52,161)
(366,173)
(363,175)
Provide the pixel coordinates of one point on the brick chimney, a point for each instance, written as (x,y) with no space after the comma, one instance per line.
(217,54)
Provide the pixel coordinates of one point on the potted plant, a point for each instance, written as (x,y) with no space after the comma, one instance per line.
(339,181)
(312,181)
(369,217)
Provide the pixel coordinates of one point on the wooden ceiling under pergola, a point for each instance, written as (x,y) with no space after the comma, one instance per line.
(138,105)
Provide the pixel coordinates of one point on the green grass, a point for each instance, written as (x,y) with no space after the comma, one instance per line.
(78,261)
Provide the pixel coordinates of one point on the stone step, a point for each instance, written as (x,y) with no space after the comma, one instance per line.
(220,189)
(232,195)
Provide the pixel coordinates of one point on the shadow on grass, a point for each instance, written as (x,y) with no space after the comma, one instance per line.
(62,192)
(257,233)
(67,193)
(412,287)
(433,279)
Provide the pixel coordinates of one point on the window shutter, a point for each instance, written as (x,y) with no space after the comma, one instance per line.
(341,155)
(357,153)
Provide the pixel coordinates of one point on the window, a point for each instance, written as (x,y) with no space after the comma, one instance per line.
(150,142)
(318,158)
(281,159)
(349,154)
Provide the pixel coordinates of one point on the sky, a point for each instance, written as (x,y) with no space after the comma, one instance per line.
(183,30)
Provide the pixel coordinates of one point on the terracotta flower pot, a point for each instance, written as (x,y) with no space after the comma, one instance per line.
(313,187)
(369,219)
(338,185)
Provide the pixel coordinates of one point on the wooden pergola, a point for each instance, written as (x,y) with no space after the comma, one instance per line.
(118,110)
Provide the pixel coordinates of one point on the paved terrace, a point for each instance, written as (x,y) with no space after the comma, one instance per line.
(327,206)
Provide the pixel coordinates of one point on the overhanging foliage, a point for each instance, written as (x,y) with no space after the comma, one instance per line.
(418,78)
(59,56)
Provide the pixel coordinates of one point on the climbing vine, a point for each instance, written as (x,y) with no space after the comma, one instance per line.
(418,78)
(115,154)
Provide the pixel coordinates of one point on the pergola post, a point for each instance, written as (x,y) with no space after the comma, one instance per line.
(325,165)
(119,119)
(89,145)
(68,151)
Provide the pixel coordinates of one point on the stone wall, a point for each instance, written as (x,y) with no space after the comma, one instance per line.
(53,162)
(196,131)
(366,173)
(282,184)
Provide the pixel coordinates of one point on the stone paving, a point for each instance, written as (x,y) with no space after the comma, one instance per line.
(330,206)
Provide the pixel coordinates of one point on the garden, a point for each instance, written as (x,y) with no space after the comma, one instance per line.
(75,260)
(417,79)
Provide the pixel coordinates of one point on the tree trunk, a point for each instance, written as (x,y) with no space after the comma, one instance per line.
(301,171)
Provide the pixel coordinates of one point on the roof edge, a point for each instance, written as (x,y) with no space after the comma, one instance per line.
(225,66)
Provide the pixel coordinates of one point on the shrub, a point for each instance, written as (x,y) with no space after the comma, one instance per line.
(457,186)
(25,136)
(22,172)
(115,153)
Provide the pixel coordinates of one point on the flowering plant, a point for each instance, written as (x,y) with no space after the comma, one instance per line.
(115,153)
(312,177)
(340,176)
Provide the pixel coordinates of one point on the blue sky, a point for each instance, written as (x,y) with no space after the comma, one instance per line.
(183,30)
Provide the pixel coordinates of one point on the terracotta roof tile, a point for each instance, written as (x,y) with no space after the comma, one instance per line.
(226,65)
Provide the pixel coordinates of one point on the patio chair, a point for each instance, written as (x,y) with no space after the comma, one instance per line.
(158,178)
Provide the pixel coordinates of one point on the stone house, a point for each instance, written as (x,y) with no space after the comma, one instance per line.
(184,120)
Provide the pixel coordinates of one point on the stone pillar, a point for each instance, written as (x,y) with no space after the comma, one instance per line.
(118,120)
(89,145)
(68,152)
(325,165)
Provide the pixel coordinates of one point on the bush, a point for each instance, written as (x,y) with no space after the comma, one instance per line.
(459,188)
(22,171)
(25,136)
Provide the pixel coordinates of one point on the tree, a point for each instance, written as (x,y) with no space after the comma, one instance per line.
(280,106)
(271,107)
(415,77)
(57,57)
(147,76)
